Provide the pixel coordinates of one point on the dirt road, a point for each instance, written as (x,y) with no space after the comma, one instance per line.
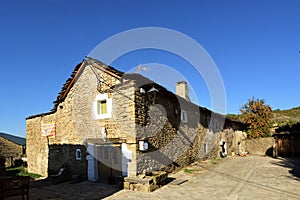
(251,177)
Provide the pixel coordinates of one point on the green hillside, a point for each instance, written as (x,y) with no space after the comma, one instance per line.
(280,117)
(286,117)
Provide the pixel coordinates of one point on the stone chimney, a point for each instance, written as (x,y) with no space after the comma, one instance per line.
(182,90)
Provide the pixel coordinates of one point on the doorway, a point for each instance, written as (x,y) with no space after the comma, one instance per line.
(109,162)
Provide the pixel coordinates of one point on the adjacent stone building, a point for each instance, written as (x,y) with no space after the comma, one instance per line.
(287,141)
(11,148)
(107,124)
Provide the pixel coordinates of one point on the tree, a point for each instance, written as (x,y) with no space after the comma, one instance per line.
(257,115)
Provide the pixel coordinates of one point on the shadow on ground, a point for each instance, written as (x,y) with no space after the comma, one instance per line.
(293,164)
(85,190)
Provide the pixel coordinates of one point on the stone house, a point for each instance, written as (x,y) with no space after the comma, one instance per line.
(11,148)
(106,123)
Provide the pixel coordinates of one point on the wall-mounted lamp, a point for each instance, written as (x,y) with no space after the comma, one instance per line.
(142,91)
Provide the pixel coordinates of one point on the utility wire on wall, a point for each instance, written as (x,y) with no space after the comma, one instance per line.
(102,80)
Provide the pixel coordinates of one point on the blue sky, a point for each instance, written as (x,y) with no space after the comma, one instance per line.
(255,45)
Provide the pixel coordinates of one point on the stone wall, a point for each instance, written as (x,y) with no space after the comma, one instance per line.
(10,151)
(36,146)
(65,154)
(65,133)
(177,131)
(122,123)
(260,146)
(91,83)
(124,119)
(174,140)
(75,121)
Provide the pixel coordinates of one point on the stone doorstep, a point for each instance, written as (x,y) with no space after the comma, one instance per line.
(140,187)
(145,183)
(160,178)
(145,180)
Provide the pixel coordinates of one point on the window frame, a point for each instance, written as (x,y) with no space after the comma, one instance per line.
(100,110)
(101,98)
(78,154)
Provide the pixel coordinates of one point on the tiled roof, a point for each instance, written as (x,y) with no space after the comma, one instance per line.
(14,139)
(66,87)
(97,63)
(70,82)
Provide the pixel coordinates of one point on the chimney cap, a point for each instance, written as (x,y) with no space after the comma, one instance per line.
(182,81)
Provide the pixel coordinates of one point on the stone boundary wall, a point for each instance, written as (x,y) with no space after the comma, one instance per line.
(260,146)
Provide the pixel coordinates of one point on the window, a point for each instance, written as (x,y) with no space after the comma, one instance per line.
(78,154)
(176,110)
(209,124)
(103,106)
(184,117)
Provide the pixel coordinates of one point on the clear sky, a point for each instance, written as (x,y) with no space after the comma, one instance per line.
(254,43)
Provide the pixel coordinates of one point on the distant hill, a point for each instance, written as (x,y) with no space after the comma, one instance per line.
(280,117)
(286,117)
(15,139)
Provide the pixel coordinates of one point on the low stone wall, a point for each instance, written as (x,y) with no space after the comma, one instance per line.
(260,146)
(65,154)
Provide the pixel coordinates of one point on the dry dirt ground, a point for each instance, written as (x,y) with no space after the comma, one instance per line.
(251,177)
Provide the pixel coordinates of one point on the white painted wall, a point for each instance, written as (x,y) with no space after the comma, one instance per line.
(126,158)
(93,174)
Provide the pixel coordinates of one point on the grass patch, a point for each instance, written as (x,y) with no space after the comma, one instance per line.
(20,171)
(213,161)
(186,170)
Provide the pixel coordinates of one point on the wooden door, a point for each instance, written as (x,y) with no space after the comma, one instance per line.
(110,162)
(283,145)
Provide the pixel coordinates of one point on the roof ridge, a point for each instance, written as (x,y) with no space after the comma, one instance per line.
(13,138)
